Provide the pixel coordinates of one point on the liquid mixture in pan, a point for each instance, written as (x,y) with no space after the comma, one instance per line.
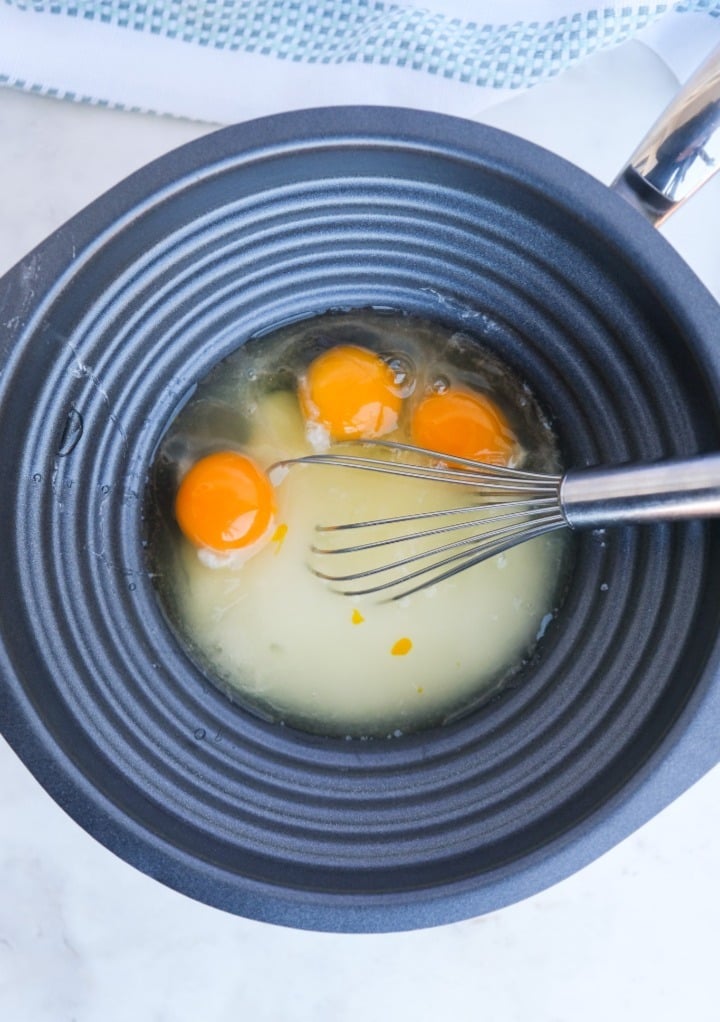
(231,543)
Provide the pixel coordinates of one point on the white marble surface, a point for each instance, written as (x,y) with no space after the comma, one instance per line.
(84,937)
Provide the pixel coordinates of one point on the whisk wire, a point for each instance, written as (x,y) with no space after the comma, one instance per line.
(539,504)
(483,549)
(480,475)
(517,504)
(489,515)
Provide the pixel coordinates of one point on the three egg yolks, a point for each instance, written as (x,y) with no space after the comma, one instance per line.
(225,502)
(352,393)
(463,424)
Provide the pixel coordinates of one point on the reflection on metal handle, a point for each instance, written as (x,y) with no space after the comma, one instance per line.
(681,151)
(665,491)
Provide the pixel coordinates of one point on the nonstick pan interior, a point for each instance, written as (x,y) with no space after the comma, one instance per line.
(113,320)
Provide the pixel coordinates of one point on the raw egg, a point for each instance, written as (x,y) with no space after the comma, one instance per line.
(350,393)
(268,632)
(225,503)
(463,424)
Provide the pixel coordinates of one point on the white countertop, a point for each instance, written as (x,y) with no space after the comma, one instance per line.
(85,937)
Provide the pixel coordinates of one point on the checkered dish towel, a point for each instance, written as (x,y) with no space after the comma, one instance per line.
(227,60)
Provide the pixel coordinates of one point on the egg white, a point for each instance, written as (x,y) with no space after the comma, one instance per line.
(282,640)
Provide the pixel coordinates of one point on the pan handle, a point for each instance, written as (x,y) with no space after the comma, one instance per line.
(681,151)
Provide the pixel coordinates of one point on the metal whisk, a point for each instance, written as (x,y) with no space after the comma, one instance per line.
(514,506)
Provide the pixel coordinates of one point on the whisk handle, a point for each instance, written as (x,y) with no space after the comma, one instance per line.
(666,491)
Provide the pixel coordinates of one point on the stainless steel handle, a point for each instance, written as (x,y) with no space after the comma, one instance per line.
(688,488)
(681,151)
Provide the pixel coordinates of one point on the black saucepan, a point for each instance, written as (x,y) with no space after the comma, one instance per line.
(107,326)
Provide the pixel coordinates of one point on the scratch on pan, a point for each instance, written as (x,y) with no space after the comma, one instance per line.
(29,272)
(466,313)
(81,371)
(121,569)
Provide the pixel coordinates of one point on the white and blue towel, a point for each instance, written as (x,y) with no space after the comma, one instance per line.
(226,60)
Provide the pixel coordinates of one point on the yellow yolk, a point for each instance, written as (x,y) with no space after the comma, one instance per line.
(402,647)
(225,502)
(464,424)
(350,392)
(279,535)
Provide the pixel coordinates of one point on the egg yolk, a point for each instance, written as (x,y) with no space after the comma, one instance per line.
(225,502)
(352,393)
(464,424)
